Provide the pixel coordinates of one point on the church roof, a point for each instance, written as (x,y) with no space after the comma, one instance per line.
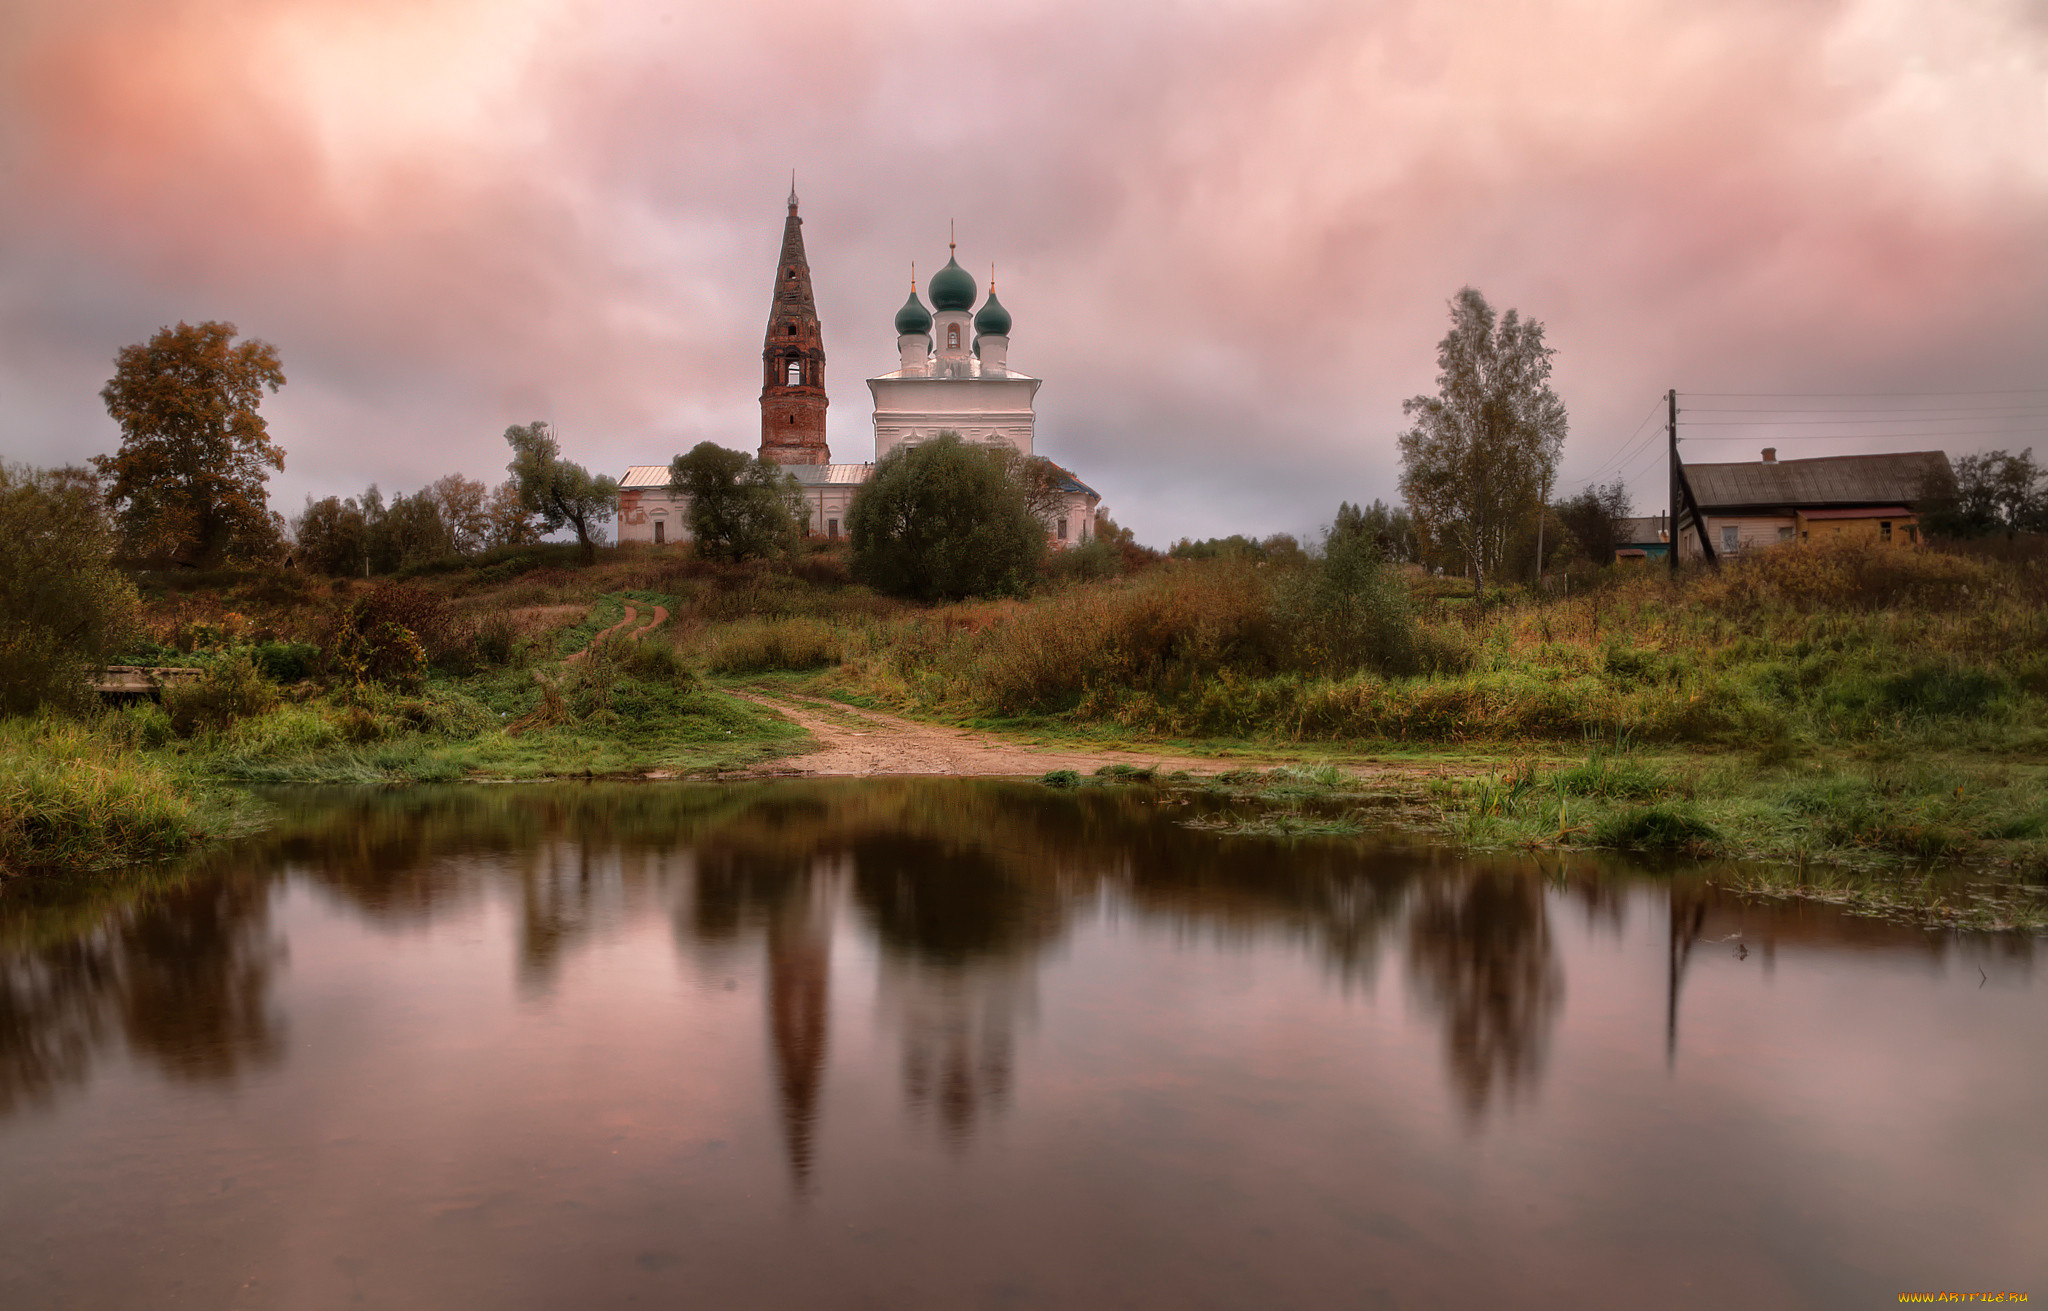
(814,475)
(993,319)
(645,475)
(952,288)
(913,317)
(1069,483)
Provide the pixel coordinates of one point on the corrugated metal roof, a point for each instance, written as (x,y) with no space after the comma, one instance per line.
(1640,529)
(814,475)
(1830,480)
(645,475)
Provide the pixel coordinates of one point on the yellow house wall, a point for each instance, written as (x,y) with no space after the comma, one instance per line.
(1859,530)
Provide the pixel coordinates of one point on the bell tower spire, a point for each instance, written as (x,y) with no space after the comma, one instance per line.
(793,358)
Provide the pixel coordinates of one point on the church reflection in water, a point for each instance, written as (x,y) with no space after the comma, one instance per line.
(962,888)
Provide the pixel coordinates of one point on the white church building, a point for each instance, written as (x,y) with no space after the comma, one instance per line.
(953,375)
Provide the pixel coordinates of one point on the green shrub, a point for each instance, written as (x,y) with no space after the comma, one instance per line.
(1062,778)
(286,662)
(229,689)
(1655,828)
(1938,690)
(63,606)
(945,519)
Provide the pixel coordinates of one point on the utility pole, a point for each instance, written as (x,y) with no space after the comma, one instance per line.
(1671,430)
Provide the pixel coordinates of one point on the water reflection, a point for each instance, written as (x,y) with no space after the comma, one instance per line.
(963,888)
(1479,949)
(180,972)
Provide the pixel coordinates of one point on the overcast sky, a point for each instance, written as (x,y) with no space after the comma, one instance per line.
(1227,230)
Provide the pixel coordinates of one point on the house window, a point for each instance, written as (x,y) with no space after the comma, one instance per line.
(1912,533)
(832,529)
(658,527)
(1063,528)
(1884,530)
(1731,540)
(796,373)
(1785,534)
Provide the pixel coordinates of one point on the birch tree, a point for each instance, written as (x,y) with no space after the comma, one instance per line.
(1475,462)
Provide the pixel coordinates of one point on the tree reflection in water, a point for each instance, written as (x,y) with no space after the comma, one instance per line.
(962,928)
(181,973)
(1480,953)
(963,885)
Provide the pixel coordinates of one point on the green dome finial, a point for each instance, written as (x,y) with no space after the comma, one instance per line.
(913,317)
(994,320)
(952,287)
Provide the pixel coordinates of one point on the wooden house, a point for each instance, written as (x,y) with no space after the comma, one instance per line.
(1739,508)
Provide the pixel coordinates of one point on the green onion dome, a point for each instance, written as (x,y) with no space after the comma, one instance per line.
(952,288)
(913,317)
(993,320)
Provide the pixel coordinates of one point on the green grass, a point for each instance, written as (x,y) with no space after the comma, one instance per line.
(73,796)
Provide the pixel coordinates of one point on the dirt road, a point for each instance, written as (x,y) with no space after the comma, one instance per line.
(863,743)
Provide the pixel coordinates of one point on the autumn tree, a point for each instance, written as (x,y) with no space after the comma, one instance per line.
(560,493)
(465,516)
(507,520)
(188,481)
(1482,450)
(740,505)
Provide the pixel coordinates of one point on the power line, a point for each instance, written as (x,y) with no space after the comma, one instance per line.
(1878,436)
(1626,447)
(1866,409)
(1778,395)
(1788,423)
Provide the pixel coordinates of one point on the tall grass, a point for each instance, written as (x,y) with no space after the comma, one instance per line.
(73,797)
(1777,652)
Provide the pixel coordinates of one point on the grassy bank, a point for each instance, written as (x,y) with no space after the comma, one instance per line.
(74,797)
(1840,707)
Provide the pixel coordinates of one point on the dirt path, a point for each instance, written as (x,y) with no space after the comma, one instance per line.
(863,743)
(617,630)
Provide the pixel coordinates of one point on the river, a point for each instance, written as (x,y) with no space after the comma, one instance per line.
(946,1043)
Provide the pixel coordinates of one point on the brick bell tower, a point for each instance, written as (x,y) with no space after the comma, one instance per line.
(793,359)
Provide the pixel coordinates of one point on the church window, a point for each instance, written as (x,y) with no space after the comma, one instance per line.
(658,527)
(791,332)
(832,529)
(796,372)
(953,337)
(1063,528)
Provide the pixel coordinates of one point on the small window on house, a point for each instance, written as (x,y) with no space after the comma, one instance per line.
(1786,534)
(832,528)
(1884,530)
(1063,528)
(1731,540)
(796,373)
